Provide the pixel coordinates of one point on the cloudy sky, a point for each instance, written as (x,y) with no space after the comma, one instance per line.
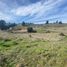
(33,10)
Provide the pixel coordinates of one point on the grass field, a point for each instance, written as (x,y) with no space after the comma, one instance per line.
(46,48)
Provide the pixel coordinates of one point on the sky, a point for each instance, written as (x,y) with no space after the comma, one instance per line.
(35,11)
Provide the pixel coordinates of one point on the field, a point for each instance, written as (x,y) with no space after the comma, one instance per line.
(46,48)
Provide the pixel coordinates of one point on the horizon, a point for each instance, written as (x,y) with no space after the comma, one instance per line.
(35,11)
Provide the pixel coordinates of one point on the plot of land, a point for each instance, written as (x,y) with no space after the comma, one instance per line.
(46,48)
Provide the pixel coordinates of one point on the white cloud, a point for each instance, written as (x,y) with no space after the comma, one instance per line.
(5,16)
(48,8)
(27,10)
(45,9)
(38,8)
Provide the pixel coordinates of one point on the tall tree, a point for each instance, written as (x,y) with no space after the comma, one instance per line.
(57,22)
(47,22)
(3,24)
(23,23)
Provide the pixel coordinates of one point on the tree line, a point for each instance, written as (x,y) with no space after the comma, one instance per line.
(5,26)
(57,22)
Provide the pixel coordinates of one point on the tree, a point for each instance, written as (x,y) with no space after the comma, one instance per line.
(47,22)
(11,25)
(23,23)
(60,22)
(3,25)
(57,22)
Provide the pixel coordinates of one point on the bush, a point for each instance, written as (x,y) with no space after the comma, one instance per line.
(30,30)
(62,34)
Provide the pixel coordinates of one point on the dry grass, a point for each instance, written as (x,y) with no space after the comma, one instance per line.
(34,49)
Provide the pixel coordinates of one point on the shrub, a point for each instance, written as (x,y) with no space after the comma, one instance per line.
(5,39)
(34,31)
(30,30)
(5,45)
(62,34)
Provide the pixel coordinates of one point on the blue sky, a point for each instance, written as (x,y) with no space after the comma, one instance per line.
(36,11)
